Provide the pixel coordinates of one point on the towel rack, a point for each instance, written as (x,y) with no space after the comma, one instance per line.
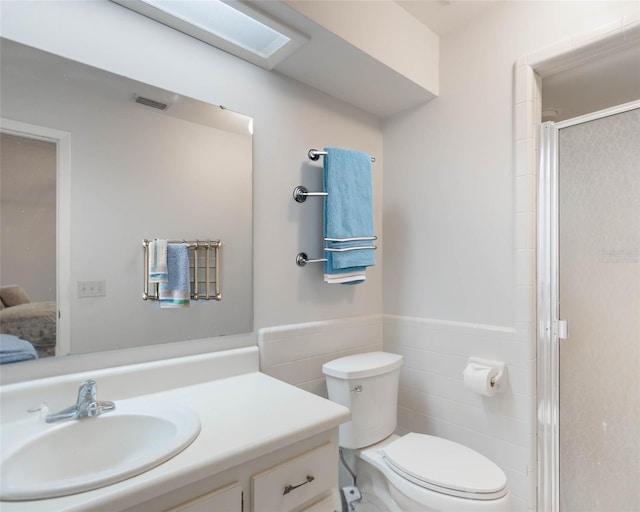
(203,256)
(315,154)
(300,195)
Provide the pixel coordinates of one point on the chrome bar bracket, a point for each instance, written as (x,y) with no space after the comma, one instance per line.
(301,193)
(302,259)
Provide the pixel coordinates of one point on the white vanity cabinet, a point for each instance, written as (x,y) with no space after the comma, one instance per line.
(303,479)
(263,445)
(324,505)
(227,499)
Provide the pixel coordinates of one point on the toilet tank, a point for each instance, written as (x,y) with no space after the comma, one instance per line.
(368,385)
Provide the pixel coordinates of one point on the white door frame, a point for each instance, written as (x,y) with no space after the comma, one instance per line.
(548,343)
(63,220)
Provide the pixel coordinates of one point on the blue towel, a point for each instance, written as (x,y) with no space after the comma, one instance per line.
(176,292)
(14,349)
(348,211)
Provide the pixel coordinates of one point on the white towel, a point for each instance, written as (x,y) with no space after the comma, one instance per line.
(354,277)
(158,272)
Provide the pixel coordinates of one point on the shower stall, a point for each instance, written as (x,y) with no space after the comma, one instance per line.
(589,311)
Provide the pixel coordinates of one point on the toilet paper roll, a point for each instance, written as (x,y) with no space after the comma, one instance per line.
(478,378)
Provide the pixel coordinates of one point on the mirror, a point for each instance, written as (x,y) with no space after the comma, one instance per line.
(126,171)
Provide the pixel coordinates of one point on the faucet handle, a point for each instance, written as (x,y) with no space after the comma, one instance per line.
(87,390)
(42,409)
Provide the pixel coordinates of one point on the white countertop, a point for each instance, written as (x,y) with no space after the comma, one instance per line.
(242,418)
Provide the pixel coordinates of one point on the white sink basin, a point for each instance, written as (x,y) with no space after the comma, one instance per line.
(41,460)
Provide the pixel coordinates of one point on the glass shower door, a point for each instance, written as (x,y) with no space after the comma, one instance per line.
(599,296)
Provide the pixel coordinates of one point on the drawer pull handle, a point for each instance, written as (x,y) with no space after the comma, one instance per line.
(290,488)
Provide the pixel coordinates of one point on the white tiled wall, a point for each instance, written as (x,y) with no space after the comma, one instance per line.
(432,397)
(296,353)
(434,400)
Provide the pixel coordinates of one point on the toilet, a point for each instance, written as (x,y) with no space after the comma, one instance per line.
(414,472)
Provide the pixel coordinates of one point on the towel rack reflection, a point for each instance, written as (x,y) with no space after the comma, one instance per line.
(204,255)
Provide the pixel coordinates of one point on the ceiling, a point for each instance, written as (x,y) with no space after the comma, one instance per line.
(327,63)
(443,16)
(594,85)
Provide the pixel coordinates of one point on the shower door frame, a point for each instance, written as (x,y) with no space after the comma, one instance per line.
(548,305)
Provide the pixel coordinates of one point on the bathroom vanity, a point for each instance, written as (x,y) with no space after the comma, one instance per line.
(263,445)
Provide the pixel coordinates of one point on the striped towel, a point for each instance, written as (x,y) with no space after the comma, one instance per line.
(158,261)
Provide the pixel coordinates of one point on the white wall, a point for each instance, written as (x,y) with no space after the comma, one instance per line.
(289,118)
(457,248)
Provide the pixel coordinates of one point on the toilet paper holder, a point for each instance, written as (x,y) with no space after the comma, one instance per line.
(498,381)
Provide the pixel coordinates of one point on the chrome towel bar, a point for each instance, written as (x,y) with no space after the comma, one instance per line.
(354,239)
(346,249)
(300,194)
(302,259)
(315,154)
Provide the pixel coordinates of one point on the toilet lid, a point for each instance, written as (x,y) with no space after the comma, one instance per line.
(361,366)
(445,466)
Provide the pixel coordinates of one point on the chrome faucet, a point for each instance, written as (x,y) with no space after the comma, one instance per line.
(85,406)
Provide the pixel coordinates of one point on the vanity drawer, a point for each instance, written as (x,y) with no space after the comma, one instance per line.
(227,499)
(324,505)
(296,481)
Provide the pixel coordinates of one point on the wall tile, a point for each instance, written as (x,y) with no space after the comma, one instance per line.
(549,52)
(434,400)
(524,128)
(525,267)
(295,353)
(525,303)
(526,157)
(525,197)
(525,235)
(523,83)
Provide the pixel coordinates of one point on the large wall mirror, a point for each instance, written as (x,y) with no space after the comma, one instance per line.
(87,174)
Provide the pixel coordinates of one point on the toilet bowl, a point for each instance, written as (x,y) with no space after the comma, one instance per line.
(414,472)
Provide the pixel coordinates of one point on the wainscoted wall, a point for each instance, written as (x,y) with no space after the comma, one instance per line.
(432,396)
(434,400)
(296,353)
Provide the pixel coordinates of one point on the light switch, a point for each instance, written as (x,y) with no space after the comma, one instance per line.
(92,289)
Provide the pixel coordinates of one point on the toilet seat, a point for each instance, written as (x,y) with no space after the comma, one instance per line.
(446,467)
